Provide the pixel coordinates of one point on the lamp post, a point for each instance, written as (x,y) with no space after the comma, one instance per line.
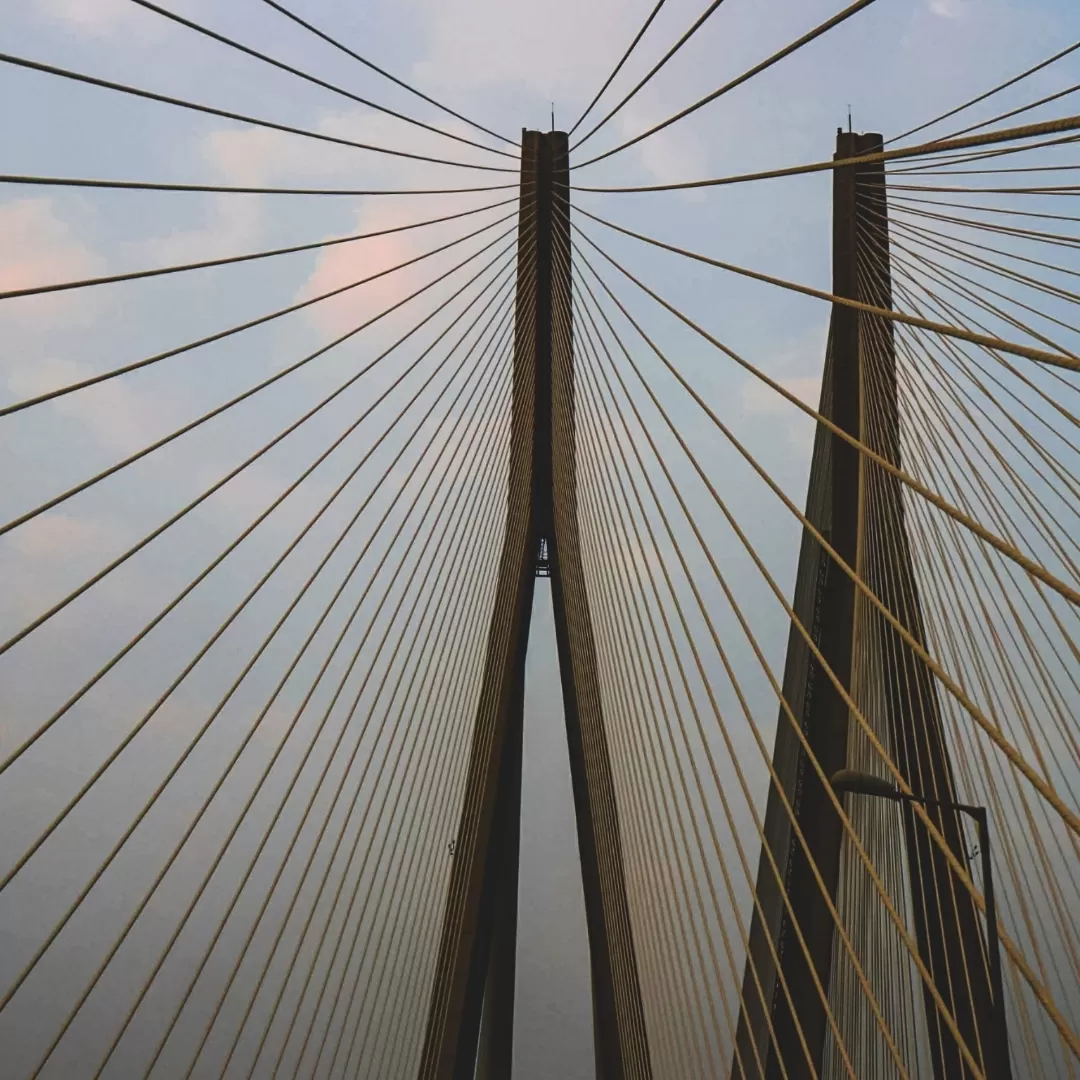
(859,783)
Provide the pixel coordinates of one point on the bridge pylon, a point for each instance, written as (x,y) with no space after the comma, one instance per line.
(858,507)
(470,1017)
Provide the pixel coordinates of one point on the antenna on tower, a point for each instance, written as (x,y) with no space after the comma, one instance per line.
(553,116)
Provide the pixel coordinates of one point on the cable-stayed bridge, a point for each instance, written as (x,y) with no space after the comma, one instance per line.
(262,757)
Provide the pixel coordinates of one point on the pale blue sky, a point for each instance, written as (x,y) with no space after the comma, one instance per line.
(895,65)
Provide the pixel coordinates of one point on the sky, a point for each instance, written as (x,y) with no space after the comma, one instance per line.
(510,65)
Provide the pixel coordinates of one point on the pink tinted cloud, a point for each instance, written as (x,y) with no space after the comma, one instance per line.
(342,265)
(56,537)
(114,414)
(38,247)
(346,263)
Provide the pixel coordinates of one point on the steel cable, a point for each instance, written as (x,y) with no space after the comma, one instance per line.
(220,335)
(225,114)
(227,189)
(957,692)
(1026,131)
(497,352)
(308,77)
(346,772)
(429,593)
(698,23)
(989,93)
(173,770)
(136,275)
(1059,358)
(618,67)
(206,803)
(727,665)
(385,74)
(169,607)
(852,9)
(912,949)
(149,537)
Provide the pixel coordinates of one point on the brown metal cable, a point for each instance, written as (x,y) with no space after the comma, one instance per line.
(175,768)
(313,79)
(149,537)
(903,200)
(1058,359)
(346,772)
(440,626)
(1002,546)
(618,67)
(348,918)
(960,189)
(1012,688)
(729,887)
(620,646)
(231,189)
(728,668)
(942,1007)
(1007,521)
(957,692)
(776,57)
(428,919)
(470,809)
(1025,131)
(138,275)
(596,750)
(1049,608)
(432,820)
(93,380)
(385,74)
(989,93)
(1014,112)
(254,727)
(118,656)
(664,755)
(225,114)
(697,24)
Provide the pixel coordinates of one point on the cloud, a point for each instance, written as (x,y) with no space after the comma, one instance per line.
(759,398)
(40,555)
(669,156)
(346,263)
(103,18)
(796,366)
(56,537)
(254,156)
(39,247)
(492,41)
(251,491)
(233,226)
(947,9)
(115,415)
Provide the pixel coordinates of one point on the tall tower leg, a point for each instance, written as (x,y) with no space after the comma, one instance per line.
(946,921)
(860,394)
(824,603)
(620,1036)
(470,1018)
(481,881)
